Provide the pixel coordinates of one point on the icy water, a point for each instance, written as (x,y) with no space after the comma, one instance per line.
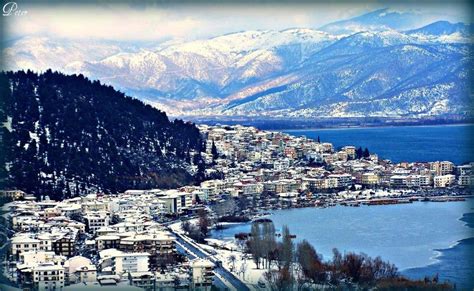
(404,143)
(422,238)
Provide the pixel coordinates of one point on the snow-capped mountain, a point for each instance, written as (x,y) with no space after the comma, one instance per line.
(387,69)
(439,28)
(378,20)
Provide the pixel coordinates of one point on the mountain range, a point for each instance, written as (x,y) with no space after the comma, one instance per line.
(376,64)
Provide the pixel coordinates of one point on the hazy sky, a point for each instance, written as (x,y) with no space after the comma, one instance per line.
(163,22)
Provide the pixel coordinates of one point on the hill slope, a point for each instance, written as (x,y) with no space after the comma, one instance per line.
(65,135)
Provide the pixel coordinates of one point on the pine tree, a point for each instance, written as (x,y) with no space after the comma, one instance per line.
(359,153)
(287,248)
(366,153)
(214,152)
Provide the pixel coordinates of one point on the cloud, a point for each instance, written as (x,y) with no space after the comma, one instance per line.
(166,22)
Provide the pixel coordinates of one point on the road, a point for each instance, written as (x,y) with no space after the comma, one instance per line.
(228,276)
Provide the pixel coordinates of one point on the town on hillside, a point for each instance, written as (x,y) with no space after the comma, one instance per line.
(157,239)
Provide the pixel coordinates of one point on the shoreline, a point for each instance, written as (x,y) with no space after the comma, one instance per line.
(435,259)
(439,252)
(299,124)
(371,127)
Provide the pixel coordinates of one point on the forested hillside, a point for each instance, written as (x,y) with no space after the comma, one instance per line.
(66,135)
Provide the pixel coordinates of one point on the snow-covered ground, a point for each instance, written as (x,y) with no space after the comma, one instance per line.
(243,267)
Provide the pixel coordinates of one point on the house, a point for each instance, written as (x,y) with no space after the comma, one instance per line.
(202,273)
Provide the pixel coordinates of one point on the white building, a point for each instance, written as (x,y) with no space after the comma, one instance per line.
(95,221)
(48,276)
(24,243)
(466,180)
(443,181)
(119,262)
(343,180)
(442,168)
(80,270)
(202,272)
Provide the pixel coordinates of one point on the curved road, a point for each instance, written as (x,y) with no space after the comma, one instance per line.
(228,276)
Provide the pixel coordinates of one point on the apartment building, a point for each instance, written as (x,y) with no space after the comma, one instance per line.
(350,151)
(443,181)
(130,262)
(442,168)
(369,179)
(48,276)
(343,180)
(95,221)
(398,181)
(202,273)
(466,180)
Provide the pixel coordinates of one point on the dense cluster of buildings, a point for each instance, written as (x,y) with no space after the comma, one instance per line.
(103,240)
(99,241)
(255,161)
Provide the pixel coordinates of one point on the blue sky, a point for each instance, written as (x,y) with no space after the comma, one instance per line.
(187,22)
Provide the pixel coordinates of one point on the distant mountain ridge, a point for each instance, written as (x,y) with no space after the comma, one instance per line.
(379,66)
(443,28)
(378,20)
(65,135)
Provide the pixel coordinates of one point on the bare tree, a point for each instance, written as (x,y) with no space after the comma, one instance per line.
(243,266)
(225,208)
(279,279)
(268,241)
(255,244)
(186,226)
(232,259)
(286,249)
(310,262)
(203,222)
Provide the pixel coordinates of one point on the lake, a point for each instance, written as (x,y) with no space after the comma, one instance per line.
(404,143)
(419,238)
